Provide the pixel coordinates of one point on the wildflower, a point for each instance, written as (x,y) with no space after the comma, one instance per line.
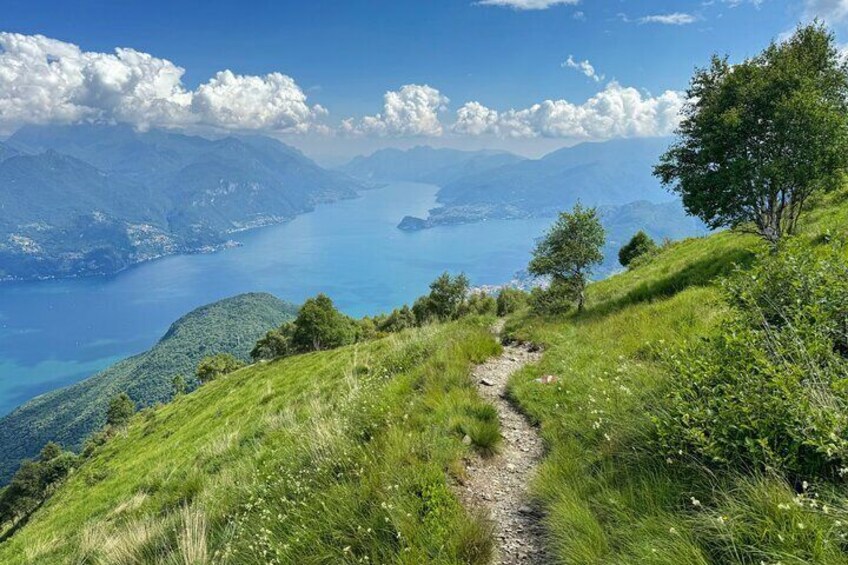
(695,502)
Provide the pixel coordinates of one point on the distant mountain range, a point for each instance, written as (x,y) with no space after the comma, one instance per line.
(68,415)
(426,164)
(92,199)
(478,186)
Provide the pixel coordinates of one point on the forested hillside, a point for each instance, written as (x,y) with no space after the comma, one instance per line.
(68,415)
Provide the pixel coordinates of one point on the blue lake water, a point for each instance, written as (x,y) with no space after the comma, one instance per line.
(53,333)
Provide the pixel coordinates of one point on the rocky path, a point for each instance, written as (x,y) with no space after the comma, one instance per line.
(500,484)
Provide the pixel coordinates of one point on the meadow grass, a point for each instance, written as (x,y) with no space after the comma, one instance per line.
(342,456)
(610,497)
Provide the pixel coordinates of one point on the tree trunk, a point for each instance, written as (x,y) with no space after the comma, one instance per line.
(581,300)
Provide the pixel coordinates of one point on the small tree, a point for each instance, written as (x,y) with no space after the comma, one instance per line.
(275,344)
(759,138)
(569,250)
(400,319)
(510,300)
(121,408)
(639,245)
(447,294)
(319,325)
(179,384)
(214,366)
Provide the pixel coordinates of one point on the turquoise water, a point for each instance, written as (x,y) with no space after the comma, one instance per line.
(53,333)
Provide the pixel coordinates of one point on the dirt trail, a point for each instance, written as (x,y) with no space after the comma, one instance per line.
(500,484)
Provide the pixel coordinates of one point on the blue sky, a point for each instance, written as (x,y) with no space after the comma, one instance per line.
(345,57)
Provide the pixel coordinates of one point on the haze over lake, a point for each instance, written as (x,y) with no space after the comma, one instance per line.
(53,333)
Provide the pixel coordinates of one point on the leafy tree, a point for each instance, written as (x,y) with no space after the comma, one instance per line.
(275,344)
(34,481)
(479,303)
(510,300)
(319,325)
(51,450)
(639,245)
(568,251)
(214,366)
(121,408)
(180,385)
(759,138)
(400,319)
(447,295)
(423,310)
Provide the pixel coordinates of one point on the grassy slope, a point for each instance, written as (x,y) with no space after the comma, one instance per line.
(610,498)
(70,414)
(338,456)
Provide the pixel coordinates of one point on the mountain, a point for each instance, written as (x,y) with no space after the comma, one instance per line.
(94,199)
(609,173)
(70,414)
(426,164)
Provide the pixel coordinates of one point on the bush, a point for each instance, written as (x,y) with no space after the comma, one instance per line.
(770,391)
(214,366)
(34,481)
(399,320)
(121,408)
(480,304)
(510,300)
(555,300)
(319,325)
(274,344)
(641,244)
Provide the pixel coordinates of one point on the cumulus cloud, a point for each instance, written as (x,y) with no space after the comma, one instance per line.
(44,80)
(584,67)
(616,111)
(527,4)
(833,11)
(411,111)
(675,19)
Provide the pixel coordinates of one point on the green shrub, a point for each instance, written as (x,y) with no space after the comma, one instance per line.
(770,391)
(479,303)
(510,300)
(121,408)
(555,300)
(214,366)
(641,244)
(319,326)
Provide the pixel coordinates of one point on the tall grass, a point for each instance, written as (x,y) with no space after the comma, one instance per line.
(333,457)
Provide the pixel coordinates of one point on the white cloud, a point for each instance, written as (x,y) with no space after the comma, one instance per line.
(528,4)
(616,111)
(675,19)
(44,80)
(832,11)
(584,67)
(411,111)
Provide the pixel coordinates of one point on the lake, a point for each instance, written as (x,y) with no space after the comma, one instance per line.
(54,333)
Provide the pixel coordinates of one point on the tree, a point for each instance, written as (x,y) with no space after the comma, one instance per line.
(569,250)
(180,385)
(640,244)
(759,138)
(510,300)
(275,344)
(447,295)
(214,366)
(400,319)
(319,325)
(121,408)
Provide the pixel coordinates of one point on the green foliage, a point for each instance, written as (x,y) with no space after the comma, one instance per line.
(555,300)
(510,301)
(400,319)
(447,296)
(569,250)
(275,344)
(769,390)
(759,138)
(332,457)
(478,304)
(214,366)
(69,415)
(641,244)
(320,326)
(33,482)
(180,385)
(121,409)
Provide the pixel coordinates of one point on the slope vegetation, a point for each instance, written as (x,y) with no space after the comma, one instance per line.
(331,457)
(68,415)
(610,494)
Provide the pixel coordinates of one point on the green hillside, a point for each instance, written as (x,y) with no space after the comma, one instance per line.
(329,457)
(611,494)
(70,414)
